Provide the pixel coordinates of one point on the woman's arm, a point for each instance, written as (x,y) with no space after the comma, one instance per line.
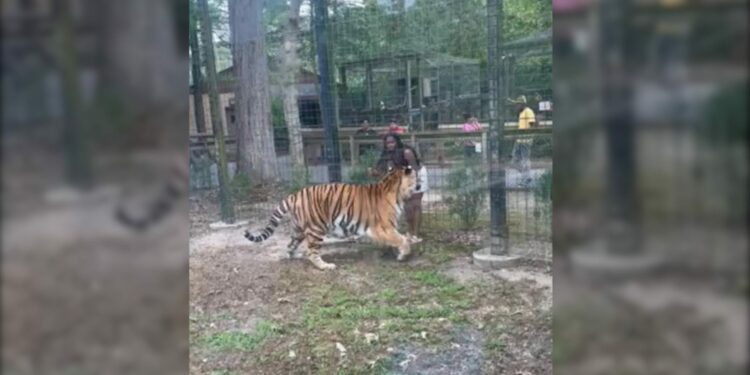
(374,172)
(411,159)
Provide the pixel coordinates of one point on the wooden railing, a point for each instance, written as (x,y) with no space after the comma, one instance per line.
(437,137)
(315,137)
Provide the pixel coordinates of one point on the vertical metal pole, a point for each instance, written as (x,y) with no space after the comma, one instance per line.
(622,231)
(408,93)
(420,93)
(498,225)
(327,105)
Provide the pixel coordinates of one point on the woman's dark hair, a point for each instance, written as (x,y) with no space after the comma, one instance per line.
(396,156)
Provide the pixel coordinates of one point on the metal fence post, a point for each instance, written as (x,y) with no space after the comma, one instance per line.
(498,225)
(327,104)
(622,229)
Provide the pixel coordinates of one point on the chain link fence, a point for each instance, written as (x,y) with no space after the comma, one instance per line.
(422,67)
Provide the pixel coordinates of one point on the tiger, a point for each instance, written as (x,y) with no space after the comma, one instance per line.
(346,210)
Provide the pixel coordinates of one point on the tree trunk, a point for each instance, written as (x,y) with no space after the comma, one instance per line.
(140,59)
(225,196)
(142,65)
(290,67)
(76,135)
(257,155)
(195,62)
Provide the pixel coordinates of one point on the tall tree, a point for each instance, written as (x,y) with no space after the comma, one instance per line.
(257,155)
(195,62)
(76,136)
(290,68)
(225,196)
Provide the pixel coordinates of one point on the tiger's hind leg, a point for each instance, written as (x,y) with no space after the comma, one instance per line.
(312,242)
(297,237)
(391,237)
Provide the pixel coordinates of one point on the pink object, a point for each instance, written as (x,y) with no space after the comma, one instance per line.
(471,127)
(569,5)
(395,129)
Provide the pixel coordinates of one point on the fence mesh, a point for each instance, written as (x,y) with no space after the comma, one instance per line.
(421,65)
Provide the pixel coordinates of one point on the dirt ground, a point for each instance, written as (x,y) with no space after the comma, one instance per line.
(81,294)
(252,310)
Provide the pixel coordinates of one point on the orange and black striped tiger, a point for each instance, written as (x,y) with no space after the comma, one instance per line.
(346,210)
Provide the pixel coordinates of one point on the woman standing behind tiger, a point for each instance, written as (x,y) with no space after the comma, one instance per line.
(397,155)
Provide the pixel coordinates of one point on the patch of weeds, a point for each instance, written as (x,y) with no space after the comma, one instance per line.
(398,307)
(441,227)
(466,193)
(381,366)
(241,341)
(438,257)
(494,344)
(300,178)
(448,292)
(240,187)
(442,251)
(431,278)
(358,173)
(388,294)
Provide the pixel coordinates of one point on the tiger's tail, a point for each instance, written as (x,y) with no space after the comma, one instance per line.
(281,210)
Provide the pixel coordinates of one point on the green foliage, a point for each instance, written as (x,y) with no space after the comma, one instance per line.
(358,173)
(242,341)
(524,18)
(541,147)
(300,178)
(726,116)
(543,189)
(466,192)
(543,196)
(277,113)
(240,185)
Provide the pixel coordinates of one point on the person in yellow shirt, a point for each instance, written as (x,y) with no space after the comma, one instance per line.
(522,146)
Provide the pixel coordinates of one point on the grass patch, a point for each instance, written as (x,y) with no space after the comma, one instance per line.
(241,341)
(494,344)
(406,301)
(444,222)
(388,294)
(431,278)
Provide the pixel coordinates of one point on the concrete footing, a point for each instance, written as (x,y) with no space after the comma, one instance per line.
(484,259)
(604,265)
(222,225)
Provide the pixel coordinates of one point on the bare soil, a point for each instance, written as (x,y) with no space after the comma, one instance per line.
(253,310)
(81,294)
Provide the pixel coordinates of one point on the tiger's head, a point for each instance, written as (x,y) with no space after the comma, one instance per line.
(407,177)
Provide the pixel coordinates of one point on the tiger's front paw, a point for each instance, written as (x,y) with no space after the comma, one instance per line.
(403,253)
(320,264)
(328,266)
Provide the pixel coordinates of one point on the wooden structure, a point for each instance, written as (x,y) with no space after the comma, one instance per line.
(307,101)
(353,145)
(420,90)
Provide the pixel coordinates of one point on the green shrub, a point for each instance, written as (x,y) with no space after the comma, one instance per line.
(277,113)
(358,173)
(467,191)
(240,186)
(300,178)
(541,147)
(543,195)
(543,189)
